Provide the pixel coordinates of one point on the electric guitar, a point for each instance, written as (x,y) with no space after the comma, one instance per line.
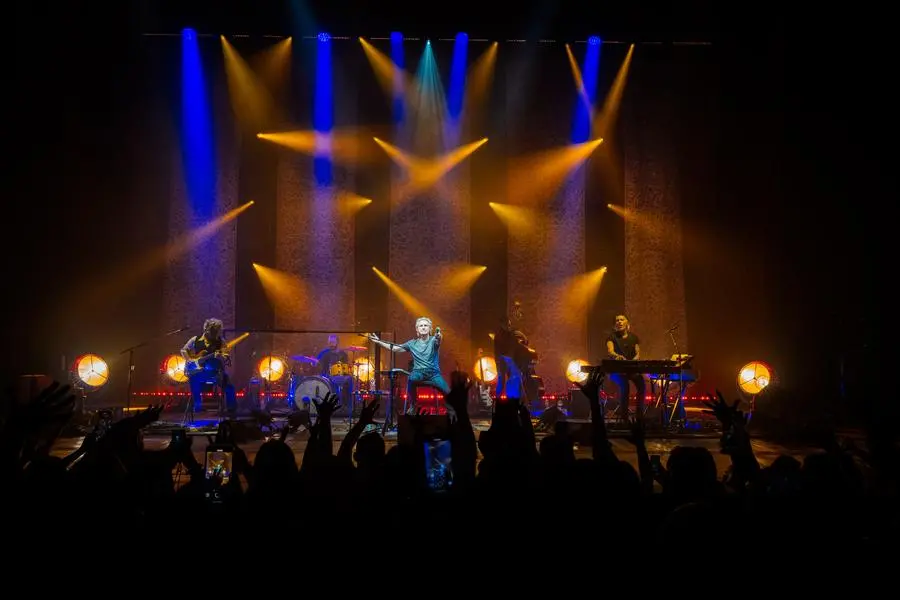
(198,364)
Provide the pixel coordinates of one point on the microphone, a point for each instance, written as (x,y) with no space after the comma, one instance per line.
(437,331)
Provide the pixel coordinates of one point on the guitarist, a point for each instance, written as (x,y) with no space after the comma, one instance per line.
(207,356)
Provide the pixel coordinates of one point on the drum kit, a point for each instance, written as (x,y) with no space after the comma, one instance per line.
(307,384)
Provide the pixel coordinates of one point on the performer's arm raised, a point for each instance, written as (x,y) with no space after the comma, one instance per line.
(388,345)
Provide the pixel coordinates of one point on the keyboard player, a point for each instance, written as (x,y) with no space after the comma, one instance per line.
(622,344)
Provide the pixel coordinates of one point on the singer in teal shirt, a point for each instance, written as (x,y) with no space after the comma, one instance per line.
(426,364)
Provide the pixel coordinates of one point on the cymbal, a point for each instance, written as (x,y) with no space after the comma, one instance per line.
(307,359)
(354,349)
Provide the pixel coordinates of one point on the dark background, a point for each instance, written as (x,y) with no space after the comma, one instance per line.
(793,187)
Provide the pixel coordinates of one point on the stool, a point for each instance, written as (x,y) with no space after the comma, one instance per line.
(218,392)
(433,401)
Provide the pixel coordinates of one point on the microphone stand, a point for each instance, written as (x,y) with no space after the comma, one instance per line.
(678,400)
(130,352)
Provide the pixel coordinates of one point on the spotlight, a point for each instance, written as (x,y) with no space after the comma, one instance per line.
(173,368)
(364,369)
(573,371)
(485,369)
(188,33)
(90,371)
(754,377)
(594,40)
(396,36)
(272,368)
(324,37)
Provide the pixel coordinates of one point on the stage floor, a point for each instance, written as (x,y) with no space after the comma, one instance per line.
(158,436)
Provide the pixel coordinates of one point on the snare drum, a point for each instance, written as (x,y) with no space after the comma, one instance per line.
(339,370)
(309,388)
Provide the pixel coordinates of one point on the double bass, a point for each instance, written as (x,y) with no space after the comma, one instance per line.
(511,342)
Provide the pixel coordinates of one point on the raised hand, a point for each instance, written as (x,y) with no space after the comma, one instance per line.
(367,414)
(56,401)
(327,405)
(460,380)
(727,415)
(636,432)
(592,386)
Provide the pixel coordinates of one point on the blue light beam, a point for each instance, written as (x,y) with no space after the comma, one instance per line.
(581,127)
(197,144)
(323,113)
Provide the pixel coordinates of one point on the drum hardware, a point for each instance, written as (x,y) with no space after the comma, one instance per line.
(305,365)
(339,370)
(312,360)
(351,349)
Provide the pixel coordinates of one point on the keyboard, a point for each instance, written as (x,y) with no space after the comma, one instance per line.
(645,367)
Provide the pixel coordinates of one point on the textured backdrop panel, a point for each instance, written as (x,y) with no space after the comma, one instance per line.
(428,234)
(540,263)
(200,282)
(654,266)
(314,243)
(542,260)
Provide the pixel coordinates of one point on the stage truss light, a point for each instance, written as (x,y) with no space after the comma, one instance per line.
(754,377)
(574,373)
(272,368)
(90,371)
(485,369)
(173,367)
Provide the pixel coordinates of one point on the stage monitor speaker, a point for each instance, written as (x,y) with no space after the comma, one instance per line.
(432,426)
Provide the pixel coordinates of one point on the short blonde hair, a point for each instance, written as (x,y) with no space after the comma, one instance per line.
(426,320)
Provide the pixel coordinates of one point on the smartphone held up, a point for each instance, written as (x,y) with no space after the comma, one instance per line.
(438,465)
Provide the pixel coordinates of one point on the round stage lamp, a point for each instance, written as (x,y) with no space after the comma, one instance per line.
(91,371)
(485,369)
(272,368)
(754,377)
(364,369)
(574,373)
(173,368)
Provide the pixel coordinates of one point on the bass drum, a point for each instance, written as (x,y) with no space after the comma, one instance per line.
(309,388)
